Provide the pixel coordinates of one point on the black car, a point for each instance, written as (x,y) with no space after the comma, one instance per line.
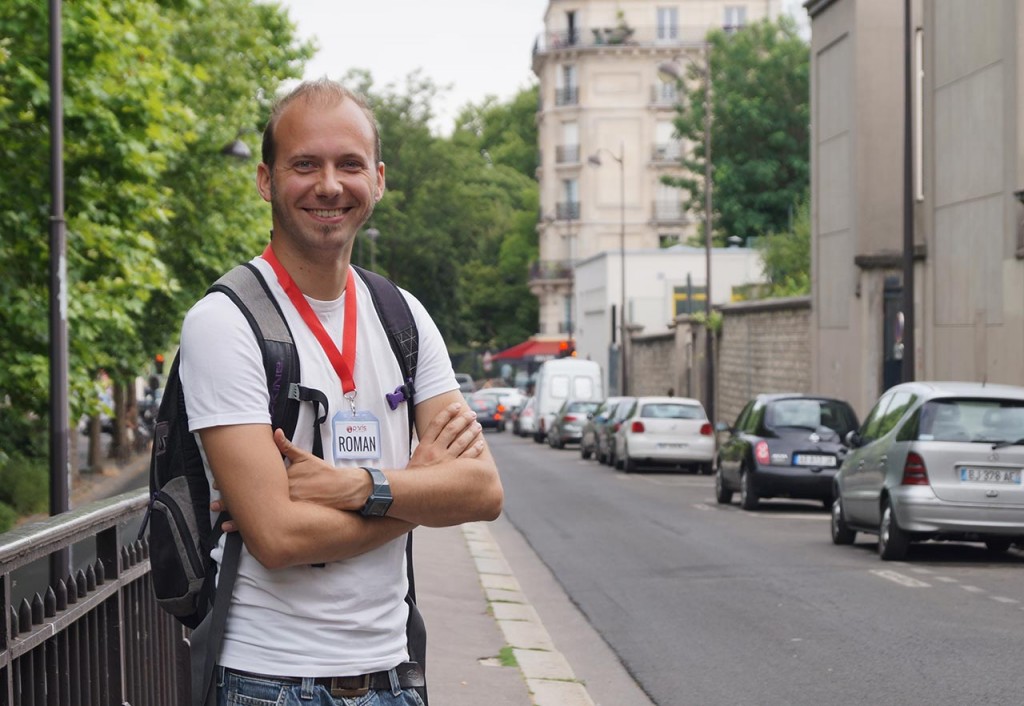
(783,445)
(590,442)
(488,411)
(605,450)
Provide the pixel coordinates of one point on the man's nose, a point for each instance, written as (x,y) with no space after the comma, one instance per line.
(329,183)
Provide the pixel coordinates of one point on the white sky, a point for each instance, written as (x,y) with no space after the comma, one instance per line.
(478,47)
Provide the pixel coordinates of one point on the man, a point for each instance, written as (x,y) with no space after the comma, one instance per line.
(321,582)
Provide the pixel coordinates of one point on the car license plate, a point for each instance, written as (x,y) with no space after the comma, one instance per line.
(666,445)
(814,460)
(972,474)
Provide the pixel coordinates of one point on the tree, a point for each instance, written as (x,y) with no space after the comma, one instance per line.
(787,255)
(760,128)
(151,89)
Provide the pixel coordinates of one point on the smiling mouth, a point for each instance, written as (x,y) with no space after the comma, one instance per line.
(328,213)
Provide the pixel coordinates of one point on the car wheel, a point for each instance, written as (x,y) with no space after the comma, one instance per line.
(628,463)
(602,457)
(998,544)
(841,532)
(722,493)
(748,496)
(617,462)
(893,542)
(585,451)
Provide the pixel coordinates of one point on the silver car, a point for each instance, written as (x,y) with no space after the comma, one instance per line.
(935,460)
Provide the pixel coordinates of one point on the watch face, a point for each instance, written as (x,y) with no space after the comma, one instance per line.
(377,507)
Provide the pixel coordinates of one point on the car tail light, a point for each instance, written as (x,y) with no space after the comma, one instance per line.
(637,427)
(914,471)
(617,426)
(705,429)
(570,417)
(501,408)
(497,416)
(761,453)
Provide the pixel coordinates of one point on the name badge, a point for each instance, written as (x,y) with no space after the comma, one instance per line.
(356,437)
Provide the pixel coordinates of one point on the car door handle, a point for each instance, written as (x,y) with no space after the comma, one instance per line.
(882,460)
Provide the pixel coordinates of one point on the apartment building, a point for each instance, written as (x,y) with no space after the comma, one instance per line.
(966,187)
(606,139)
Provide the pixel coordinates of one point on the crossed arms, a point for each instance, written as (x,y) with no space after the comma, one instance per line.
(308,513)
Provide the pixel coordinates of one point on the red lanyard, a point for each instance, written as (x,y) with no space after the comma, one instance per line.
(343,361)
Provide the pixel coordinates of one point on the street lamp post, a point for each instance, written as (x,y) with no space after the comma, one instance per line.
(670,71)
(595,159)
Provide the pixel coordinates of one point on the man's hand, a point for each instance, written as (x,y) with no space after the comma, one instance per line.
(453,433)
(313,480)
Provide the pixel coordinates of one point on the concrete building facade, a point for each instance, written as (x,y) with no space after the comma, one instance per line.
(967,168)
(601,97)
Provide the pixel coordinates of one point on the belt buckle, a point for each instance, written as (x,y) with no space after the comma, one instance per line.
(351,691)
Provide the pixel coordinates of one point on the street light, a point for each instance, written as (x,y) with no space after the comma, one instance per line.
(671,71)
(373,234)
(595,159)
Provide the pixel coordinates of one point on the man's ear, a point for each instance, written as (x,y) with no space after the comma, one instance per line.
(380,182)
(263,179)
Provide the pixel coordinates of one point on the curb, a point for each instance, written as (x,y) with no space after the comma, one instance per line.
(548,676)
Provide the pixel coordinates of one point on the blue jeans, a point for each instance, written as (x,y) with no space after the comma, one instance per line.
(236,690)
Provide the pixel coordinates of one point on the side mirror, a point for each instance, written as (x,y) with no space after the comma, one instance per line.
(853,439)
(722,426)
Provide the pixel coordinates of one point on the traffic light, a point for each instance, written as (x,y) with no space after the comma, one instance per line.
(566,349)
(158,363)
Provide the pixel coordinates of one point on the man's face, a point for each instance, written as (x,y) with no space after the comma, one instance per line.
(324,182)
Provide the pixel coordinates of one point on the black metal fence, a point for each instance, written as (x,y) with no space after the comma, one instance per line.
(96,637)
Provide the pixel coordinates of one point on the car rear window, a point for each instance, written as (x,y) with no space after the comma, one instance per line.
(811,414)
(582,406)
(664,410)
(980,420)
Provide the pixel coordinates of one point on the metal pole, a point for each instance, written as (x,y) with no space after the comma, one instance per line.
(908,203)
(709,350)
(60,469)
(622,260)
(572,271)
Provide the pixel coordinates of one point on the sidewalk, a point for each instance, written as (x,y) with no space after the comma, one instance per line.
(486,607)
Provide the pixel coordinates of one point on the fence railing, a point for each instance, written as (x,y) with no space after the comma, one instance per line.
(96,637)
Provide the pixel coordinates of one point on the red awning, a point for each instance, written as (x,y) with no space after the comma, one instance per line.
(529,349)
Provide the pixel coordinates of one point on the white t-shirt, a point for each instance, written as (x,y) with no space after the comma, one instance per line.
(347,617)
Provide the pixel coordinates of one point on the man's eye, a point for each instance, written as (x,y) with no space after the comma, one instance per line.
(304,165)
(351,164)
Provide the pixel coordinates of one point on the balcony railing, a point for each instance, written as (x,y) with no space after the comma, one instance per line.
(547,270)
(567,154)
(664,95)
(667,152)
(604,36)
(567,96)
(567,210)
(96,638)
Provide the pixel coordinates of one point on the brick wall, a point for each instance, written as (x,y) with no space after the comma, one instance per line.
(653,364)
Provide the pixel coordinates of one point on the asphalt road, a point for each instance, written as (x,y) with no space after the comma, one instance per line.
(708,604)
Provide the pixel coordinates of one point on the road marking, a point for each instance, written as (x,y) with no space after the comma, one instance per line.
(901,579)
(702,506)
(973,589)
(1004,599)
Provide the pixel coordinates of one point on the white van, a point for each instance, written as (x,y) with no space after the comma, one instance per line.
(559,380)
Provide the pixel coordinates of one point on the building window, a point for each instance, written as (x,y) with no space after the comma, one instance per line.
(666,146)
(569,150)
(735,17)
(667,240)
(572,32)
(668,24)
(569,207)
(566,89)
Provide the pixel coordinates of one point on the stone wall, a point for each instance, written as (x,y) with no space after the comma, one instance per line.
(763,346)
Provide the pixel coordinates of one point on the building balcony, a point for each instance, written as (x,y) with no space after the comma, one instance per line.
(567,96)
(665,95)
(567,210)
(567,154)
(667,152)
(611,36)
(548,274)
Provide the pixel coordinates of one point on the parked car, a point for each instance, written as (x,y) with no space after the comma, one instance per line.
(525,419)
(466,384)
(505,397)
(567,426)
(665,431)
(594,426)
(606,438)
(783,446)
(488,410)
(935,460)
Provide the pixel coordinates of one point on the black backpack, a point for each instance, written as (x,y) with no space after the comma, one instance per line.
(180,533)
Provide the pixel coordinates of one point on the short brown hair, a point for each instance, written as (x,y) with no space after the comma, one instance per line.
(327,93)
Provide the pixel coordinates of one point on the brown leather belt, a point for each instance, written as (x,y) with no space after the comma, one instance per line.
(409,676)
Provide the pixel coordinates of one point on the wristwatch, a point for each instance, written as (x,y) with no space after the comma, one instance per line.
(379,502)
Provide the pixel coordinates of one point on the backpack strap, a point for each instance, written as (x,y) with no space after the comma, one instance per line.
(400,325)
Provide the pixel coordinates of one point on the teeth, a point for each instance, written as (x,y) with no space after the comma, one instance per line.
(327,214)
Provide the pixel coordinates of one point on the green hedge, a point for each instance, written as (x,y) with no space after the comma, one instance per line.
(24,489)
